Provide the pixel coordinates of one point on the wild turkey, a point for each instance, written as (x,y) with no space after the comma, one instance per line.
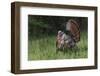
(73,28)
(70,38)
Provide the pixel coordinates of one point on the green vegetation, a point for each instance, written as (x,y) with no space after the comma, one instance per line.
(44,48)
(42,32)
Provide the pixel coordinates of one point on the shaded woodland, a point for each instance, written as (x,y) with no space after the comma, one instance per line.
(49,25)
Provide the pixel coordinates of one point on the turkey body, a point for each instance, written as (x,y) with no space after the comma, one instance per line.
(69,39)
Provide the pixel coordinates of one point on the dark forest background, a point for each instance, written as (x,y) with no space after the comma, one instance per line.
(49,25)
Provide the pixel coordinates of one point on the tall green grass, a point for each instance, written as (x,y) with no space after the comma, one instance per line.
(44,48)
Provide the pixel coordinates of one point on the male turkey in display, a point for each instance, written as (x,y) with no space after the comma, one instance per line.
(69,38)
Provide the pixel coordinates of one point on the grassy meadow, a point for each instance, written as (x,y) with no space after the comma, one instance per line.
(44,48)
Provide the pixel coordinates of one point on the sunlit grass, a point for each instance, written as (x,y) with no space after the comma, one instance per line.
(45,49)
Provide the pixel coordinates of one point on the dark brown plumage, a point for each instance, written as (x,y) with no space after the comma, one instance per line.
(74,29)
